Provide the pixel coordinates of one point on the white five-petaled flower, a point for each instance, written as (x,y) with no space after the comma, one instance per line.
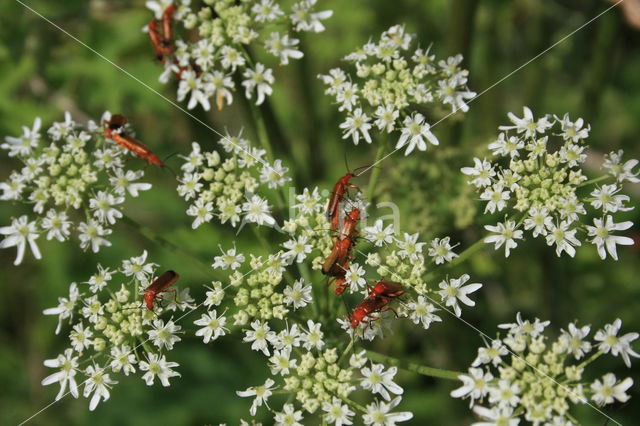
(259,336)
(259,80)
(138,267)
(574,340)
(158,366)
(91,234)
(164,335)
(476,385)
(609,390)
(297,249)
(261,394)
(563,237)
(68,364)
(356,124)
(528,124)
(414,132)
(410,247)
(602,238)
(621,171)
(229,259)
(617,345)
(281,362)
(539,220)
(23,145)
(284,47)
(123,358)
(65,306)
(423,312)
(213,326)
(496,197)
(202,211)
(608,199)
(18,234)
(125,182)
(505,233)
(313,337)
(289,416)
(386,117)
(355,277)
(273,175)
(496,416)
(453,291)
(441,251)
(481,172)
(378,413)
(98,383)
(377,380)
(304,19)
(337,412)
(298,295)
(57,225)
(379,235)
(258,211)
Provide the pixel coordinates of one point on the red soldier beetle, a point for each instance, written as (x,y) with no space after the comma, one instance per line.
(379,296)
(337,195)
(114,130)
(335,263)
(162,45)
(160,285)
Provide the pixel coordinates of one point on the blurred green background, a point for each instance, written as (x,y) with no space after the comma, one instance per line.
(594,74)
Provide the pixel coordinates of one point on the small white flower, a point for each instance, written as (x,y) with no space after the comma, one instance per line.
(506,394)
(313,337)
(261,393)
(57,225)
(475,385)
(337,412)
(621,171)
(528,125)
(525,327)
(309,201)
(98,383)
(491,354)
(91,233)
(506,146)
(355,277)
(539,220)
(378,413)
(158,366)
(202,211)
(164,335)
(266,10)
(123,359)
(482,172)
(618,345)
(68,365)
(287,338)
(376,380)
(258,211)
(423,312)
(505,233)
(602,238)
(125,182)
(608,391)
(284,47)
(414,132)
(281,362)
(563,237)
(304,19)
(259,80)
(229,259)
(297,249)
(215,295)
(80,337)
(607,199)
(497,416)
(379,235)
(259,337)
(23,145)
(356,124)
(441,251)
(410,247)
(496,198)
(213,326)
(138,267)
(289,416)
(386,117)
(65,306)
(453,291)
(298,295)
(18,235)
(573,130)
(274,175)
(190,185)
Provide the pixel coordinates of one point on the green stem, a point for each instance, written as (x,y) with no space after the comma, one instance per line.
(590,359)
(420,369)
(163,242)
(595,180)
(375,173)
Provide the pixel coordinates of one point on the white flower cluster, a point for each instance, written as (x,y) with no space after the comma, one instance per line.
(526,375)
(226,188)
(321,382)
(76,182)
(537,179)
(392,79)
(399,258)
(226,32)
(111,328)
